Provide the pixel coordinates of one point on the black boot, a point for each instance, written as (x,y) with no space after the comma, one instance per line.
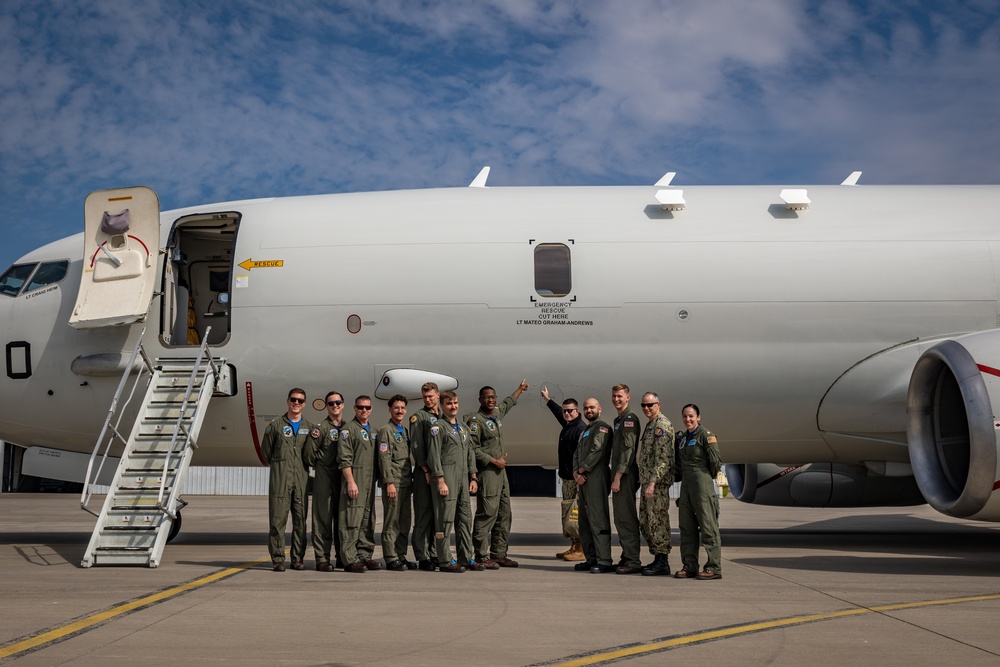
(659,566)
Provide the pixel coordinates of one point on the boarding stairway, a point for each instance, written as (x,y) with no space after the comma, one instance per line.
(143,502)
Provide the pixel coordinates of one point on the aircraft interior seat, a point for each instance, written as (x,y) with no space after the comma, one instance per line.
(192,323)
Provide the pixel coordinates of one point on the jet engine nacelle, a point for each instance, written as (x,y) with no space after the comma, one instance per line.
(952,426)
(824,485)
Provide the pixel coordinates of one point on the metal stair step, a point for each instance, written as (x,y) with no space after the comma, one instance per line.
(130,519)
(127,539)
(161,428)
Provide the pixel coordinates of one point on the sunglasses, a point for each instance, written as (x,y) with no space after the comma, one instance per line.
(296,399)
(362,407)
(332,403)
(569,410)
(648,405)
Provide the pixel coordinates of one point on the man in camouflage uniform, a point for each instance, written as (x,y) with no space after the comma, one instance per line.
(453,467)
(592,477)
(396,474)
(321,454)
(491,531)
(656,474)
(356,518)
(281,447)
(626,480)
(424,549)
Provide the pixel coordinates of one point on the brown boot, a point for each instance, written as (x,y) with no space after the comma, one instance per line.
(562,554)
(575,552)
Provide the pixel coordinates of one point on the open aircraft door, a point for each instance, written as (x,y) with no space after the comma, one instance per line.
(121,241)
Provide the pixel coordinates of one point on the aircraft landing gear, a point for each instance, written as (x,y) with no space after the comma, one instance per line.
(175,528)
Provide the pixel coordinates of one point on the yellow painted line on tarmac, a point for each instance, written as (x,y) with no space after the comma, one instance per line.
(86,623)
(665,644)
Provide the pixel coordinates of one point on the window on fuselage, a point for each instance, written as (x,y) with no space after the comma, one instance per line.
(48,273)
(14,278)
(553,275)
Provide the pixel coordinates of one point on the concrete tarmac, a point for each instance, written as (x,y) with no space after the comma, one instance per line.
(888,586)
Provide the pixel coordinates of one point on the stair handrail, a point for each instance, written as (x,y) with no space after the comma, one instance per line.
(167,507)
(147,364)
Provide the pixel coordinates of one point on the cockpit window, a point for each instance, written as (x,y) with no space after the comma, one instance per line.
(14,278)
(47,274)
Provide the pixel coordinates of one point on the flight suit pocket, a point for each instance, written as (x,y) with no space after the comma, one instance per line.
(354,514)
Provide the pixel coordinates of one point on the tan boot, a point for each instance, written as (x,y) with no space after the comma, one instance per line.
(562,554)
(575,552)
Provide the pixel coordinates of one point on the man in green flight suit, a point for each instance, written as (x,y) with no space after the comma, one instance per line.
(626,480)
(321,454)
(393,453)
(424,549)
(281,448)
(592,476)
(656,474)
(453,467)
(491,531)
(356,519)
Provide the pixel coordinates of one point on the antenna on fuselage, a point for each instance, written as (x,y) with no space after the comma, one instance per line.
(665,180)
(480,180)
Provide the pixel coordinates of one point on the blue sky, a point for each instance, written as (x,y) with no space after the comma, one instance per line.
(216,100)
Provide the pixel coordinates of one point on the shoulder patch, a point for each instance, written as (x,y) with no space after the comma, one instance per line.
(345,434)
(658,432)
(383,446)
(629,423)
(710,440)
(473,427)
(602,429)
(413,419)
(315,432)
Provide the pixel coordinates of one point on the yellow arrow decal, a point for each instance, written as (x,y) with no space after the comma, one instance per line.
(261,264)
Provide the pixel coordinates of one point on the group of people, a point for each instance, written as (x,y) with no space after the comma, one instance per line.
(435,461)
(597,459)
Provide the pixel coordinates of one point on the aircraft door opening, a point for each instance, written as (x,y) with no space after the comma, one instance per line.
(197,279)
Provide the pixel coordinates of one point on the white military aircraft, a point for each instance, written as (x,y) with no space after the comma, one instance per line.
(842,341)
